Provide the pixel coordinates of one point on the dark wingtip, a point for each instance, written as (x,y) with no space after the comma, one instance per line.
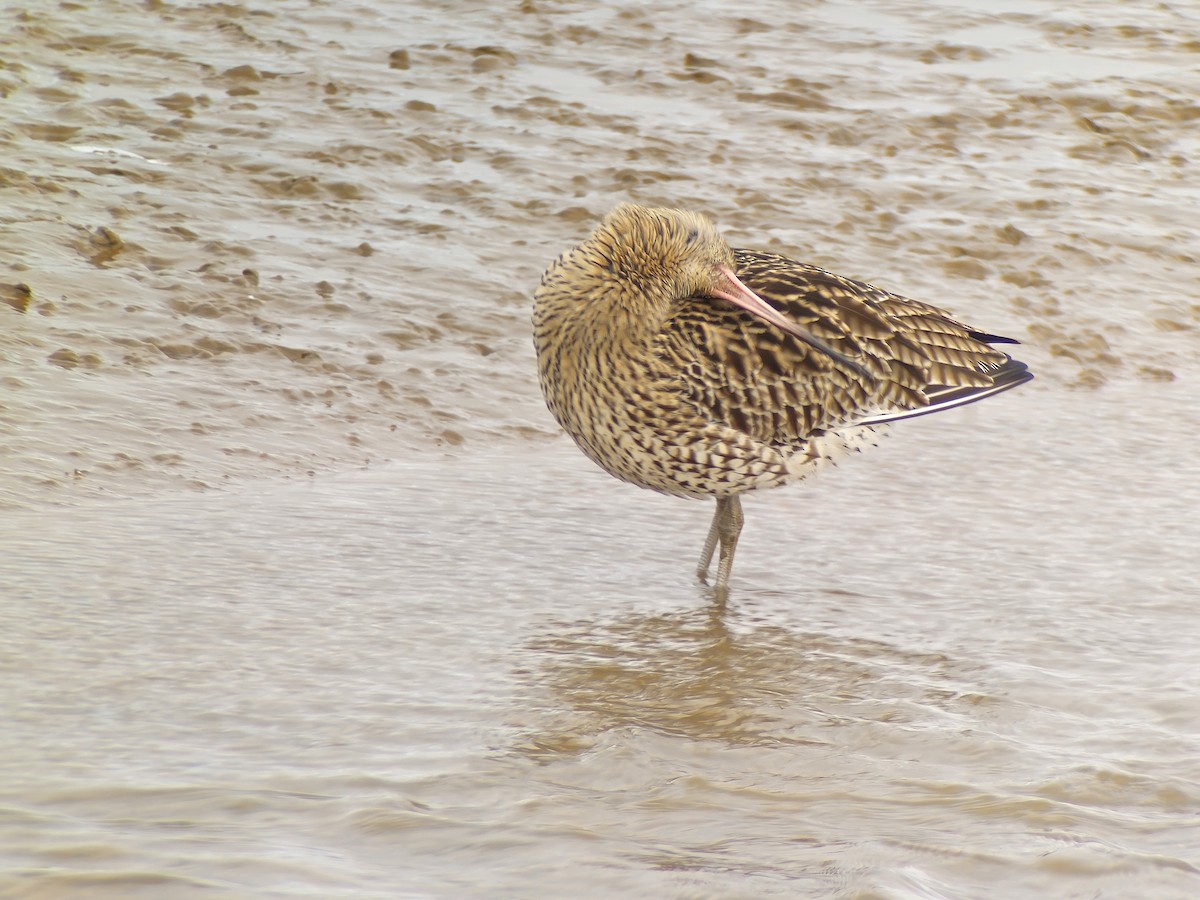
(986,338)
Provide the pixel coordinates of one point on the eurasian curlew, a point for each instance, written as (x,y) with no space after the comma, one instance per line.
(684,366)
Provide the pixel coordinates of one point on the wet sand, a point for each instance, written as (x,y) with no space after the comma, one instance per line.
(304,594)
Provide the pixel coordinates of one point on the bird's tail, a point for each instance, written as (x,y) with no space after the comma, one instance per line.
(1004,376)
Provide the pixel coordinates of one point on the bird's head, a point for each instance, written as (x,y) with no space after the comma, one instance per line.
(655,256)
(646,259)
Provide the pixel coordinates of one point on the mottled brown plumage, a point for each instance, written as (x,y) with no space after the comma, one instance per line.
(664,382)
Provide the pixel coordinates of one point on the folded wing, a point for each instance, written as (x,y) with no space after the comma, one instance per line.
(737,369)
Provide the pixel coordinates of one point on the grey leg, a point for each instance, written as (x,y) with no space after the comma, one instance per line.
(710,543)
(730,527)
(726,526)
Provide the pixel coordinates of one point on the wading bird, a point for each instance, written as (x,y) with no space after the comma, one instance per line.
(684,366)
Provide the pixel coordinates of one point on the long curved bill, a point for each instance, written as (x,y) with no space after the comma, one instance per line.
(741,296)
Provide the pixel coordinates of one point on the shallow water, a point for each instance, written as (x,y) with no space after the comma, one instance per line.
(303,594)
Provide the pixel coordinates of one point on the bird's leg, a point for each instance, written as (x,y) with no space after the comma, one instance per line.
(710,542)
(730,527)
(726,526)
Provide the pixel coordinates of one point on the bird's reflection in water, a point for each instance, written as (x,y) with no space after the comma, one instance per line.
(713,675)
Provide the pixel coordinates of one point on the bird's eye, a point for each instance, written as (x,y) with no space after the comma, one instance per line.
(693,235)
